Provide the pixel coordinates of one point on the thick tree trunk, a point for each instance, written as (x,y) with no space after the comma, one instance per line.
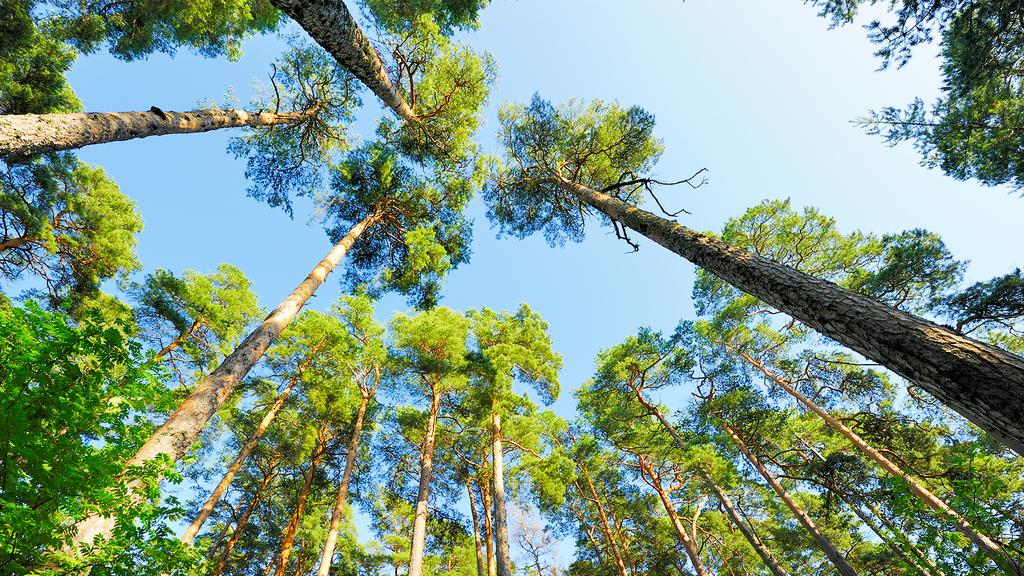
(485,495)
(684,537)
(981,382)
(183,427)
(983,542)
(323,436)
(225,554)
(331,25)
(500,517)
(25,134)
(620,564)
(419,529)
(13,243)
(243,454)
(342,497)
(481,560)
(826,545)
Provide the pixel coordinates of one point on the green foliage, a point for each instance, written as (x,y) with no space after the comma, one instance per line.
(595,145)
(66,223)
(450,15)
(996,303)
(32,65)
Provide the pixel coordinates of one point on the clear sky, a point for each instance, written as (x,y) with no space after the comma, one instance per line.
(760,93)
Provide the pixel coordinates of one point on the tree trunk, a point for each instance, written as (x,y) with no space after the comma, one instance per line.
(590,533)
(419,530)
(177,341)
(755,541)
(485,495)
(684,537)
(225,554)
(984,543)
(331,25)
(504,563)
(323,435)
(181,429)
(901,534)
(481,560)
(620,564)
(25,134)
(342,497)
(826,546)
(981,382)
(243,455)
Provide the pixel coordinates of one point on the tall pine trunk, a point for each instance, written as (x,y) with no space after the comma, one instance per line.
(331,25)
(243,455)
(183,427)
(323,436)
(504,560)
(620,564)
(25,134)
(236,535)
(981,382)
(419,529)
(684,537)
(983,542)
(481,560)
(823,542)
(342,497)
(485,495)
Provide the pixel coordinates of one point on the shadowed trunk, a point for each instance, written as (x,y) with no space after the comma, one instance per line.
(588,530)
(983,542)
(183,427)
(654,481)
(481,560)
(981,382)
(25,134)
(504,560)
(323,436)
(485,495)
(419,530)
(342,497)
(620,565)
(225,554)
(331,25)
(823,542)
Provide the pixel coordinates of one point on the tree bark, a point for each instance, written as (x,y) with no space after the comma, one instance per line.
(25,134)
(193,529)
(485,495)
(323,436)
(684,538)
(342,497)
(620,564)
(225,554)
(504,560)
(481,560)
(419,530)
(981,382)
(183,427)
(331,25)
(983,542)
(823,542)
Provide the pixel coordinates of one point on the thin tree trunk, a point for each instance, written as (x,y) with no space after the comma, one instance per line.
(323,435)
(243,454)
(826,546)
(25,134)
(500,516)
(183,427)
(755,541)
(590,532)
(177,341)
(684,538)
(883,535)
(984,543)
(620,564)
(936,357)
(342,497)
(257,496)
(481,560)
(888,523)
(485,495)
(419,530)
(331,25)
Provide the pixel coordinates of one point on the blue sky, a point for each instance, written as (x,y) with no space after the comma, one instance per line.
(760,93)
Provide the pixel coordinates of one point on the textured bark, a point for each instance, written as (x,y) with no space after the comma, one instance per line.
(981,382)
(504,559)
(197,523)
(481,560)
(25,134)
(419,529)
(983,542)
(684,538)
(620,564)
(485,495)
(323,435)
(183,427)
(823,542)
(331,25)
(342,497)
(225,554)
